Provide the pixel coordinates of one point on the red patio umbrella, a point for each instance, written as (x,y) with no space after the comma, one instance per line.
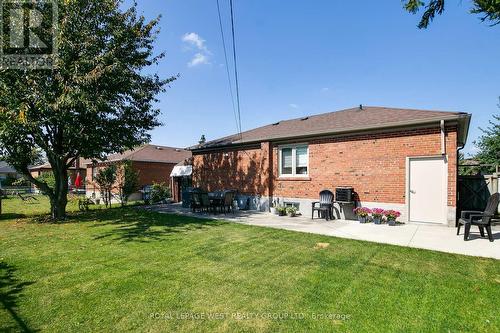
(78,181)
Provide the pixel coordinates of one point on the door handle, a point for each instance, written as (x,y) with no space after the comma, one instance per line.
(412,192)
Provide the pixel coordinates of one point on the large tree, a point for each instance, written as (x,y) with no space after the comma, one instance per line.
(488,9)
(489,143)
(97,100)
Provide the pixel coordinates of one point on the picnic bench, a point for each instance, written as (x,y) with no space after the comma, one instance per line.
(27,198)
(83,204)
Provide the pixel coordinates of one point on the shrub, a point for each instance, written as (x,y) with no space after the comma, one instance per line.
(128,181)
(281,210)
(159,192)
(362,211)
(21,182)
(47,178)
(106,178)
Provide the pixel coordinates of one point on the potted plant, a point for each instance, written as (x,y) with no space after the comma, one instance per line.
(281,210)
(362,214)
(273,207)
(291,211)
(392,216)
(377,214)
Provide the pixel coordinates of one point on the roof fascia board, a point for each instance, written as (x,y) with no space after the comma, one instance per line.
(126,159)
(233,147)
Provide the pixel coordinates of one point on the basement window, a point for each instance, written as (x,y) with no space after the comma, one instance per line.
(294,161)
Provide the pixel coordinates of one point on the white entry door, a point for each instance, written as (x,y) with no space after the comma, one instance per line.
(427,189)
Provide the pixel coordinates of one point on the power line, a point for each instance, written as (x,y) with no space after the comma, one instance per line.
(238,128)
(235,67)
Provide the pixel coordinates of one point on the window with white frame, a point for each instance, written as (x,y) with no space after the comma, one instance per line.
(294,161)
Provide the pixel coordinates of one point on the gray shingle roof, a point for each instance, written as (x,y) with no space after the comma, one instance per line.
(151,153)
(47,165)
(349,120)
(5,168)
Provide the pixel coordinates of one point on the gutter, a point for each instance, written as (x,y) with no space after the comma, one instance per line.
(465,129)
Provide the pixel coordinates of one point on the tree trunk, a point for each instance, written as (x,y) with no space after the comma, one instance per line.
(59,199)
(58,207)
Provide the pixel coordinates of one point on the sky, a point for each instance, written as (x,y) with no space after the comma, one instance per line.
(298,58)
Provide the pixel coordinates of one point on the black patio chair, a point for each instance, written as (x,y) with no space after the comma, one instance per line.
(324,206)
(205,202)
(218,201)
(227,204)
(196,199)
(482,219)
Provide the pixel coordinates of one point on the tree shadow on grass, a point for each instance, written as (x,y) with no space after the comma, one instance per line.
(142,226)
(78,216)
(10,291)
(11,216)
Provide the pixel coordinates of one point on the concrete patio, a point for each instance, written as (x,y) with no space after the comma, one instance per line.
(423,236)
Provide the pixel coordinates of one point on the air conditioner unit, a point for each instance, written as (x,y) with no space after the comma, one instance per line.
(344,194)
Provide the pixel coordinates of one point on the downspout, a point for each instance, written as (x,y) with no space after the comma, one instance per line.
(457,194)
(443,139)
(443,153)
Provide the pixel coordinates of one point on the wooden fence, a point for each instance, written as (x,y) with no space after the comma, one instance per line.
(474,191)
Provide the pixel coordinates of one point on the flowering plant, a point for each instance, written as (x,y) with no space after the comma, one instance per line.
(392,214)
(362,211)
(281,209)
(292,210)
(377,212)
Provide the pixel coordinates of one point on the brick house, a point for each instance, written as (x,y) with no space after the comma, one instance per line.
(399,159)
(6,172)
(78,167)
(154,164)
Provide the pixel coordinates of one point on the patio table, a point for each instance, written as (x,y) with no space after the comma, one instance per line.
(214,196)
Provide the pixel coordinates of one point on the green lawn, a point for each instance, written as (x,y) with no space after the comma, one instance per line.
(13,207)
(126,269)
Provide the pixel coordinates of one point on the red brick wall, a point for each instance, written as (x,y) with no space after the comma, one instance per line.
(245,170)
(374,164)
(149,172)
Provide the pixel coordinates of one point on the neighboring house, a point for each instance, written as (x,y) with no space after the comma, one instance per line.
(7,172)
(154,164)
(78,167)
(393,158)
(181,178)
